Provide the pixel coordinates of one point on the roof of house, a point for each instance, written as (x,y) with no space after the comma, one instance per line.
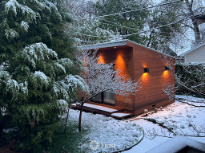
(192,49)
(115,44)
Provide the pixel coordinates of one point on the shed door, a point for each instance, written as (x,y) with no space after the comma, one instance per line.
(106,97)
(109,97)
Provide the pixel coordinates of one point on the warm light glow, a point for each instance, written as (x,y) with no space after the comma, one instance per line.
(114,47)
(101,60)
(84,62)
(144,65)
(145,75)
(166,74)
(120,65)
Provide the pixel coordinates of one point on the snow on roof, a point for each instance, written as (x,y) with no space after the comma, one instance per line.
(115,44)
(105,45)
(192,49)
(176,144)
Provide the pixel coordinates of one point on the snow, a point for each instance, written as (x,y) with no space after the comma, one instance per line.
(120,114)
(41,79)
(192,100)
(110,134)
(13,5)
(11,33)
(147,144)
(108,130)
(24,25)
(12,84)
(50,5)
(75,81)
(181,117)
(66,61)
(176,144)
(59,66)
(110,110)
(8,130)
(63,104)
(37,52)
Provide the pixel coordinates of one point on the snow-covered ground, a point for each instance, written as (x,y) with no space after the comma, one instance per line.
(107,134)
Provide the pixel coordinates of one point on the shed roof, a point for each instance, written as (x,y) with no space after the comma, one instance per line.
(116,44)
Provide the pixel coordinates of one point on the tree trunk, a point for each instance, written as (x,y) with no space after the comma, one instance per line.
(196,31)
(194,21)
(66,119)
(81,109)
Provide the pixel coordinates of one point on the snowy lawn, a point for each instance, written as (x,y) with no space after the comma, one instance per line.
(182,118)
(106,134)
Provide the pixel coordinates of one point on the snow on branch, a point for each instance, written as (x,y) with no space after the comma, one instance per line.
(66,62)
(49,6)
(12,86)
(101,77)
(62,104)
(40,80)
(37,52)
(75,81)
(13,5)
(60,91)
(24,25)
(69,85)
(11,33)
(4,75)
(60,67)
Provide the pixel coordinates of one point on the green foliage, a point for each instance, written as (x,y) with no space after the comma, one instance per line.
(161,17)
(38,76)
(70,141)
(134,19)
(191,74)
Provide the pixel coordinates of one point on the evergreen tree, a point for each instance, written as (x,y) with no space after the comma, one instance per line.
(161,33)
(38,76)
(85,27)
(123,23)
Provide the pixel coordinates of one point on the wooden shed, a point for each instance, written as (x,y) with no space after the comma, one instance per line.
(133,60)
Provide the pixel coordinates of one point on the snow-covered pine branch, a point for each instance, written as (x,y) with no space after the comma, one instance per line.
(37,52)
(69,85)
(40,80)
(14,6)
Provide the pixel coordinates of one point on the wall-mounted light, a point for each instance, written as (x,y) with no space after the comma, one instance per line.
(146,70)
(114,47)
(166,68)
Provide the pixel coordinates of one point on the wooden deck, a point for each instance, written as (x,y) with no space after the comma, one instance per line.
(105,110)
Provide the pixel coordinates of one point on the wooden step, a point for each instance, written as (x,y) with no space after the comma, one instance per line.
(96,108)
(121,115)
(105,110)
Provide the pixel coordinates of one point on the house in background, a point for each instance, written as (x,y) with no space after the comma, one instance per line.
(196,54)
(137,63)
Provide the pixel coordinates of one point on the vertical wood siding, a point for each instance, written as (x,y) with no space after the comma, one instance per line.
(153,82)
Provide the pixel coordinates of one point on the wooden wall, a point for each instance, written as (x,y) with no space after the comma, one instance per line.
(123,62)
(153,82)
